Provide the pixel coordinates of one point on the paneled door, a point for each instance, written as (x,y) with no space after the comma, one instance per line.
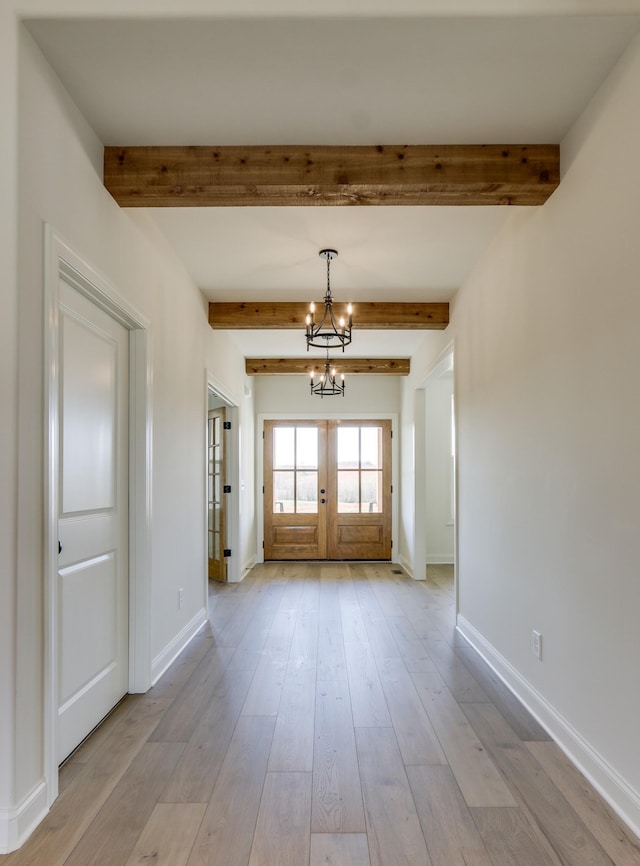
(359,507)
(92,575)
(327,488)
(215,495)
(295,496)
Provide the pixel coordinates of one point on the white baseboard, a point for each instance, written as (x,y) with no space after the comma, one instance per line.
(173,649)
(16,825)
(439,559)
(247,568)
(622,798)
(407,566)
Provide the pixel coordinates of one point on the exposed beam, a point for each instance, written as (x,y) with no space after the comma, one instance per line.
(329,175)
(291,315)
(278,366)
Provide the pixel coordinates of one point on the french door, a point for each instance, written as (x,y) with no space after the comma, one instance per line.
(215,495)
(327,489)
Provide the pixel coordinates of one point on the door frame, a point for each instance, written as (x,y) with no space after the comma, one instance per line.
(420,553)
(62,262)
(326,416)
(232,468)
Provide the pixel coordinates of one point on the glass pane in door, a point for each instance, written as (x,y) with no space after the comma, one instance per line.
(371,492)
(370,447)
(284,447)
(283,492)
(306,448)
(348,447)
(348,491)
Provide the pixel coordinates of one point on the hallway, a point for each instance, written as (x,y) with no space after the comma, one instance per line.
(328,715)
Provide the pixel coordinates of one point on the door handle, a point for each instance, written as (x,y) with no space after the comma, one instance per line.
(323,490)
(59,547)
(323,501)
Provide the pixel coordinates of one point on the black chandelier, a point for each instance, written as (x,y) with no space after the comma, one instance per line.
(327,334)
(327,385)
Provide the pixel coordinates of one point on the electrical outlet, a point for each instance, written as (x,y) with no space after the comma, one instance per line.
(536,644)
(180,598)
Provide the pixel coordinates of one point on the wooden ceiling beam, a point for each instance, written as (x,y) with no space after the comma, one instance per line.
(332,175)
(346,365)
(289,315)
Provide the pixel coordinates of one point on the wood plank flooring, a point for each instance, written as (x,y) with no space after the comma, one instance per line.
(328,715)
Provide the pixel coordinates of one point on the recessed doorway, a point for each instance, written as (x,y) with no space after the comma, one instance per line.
(327,489)
(218,429)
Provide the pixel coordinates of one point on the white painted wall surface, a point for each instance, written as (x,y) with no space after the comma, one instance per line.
(548,416)
(368,394)
(438,470)
(8,397)
(60,184)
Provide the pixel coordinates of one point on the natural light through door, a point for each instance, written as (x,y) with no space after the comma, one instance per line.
(327,487)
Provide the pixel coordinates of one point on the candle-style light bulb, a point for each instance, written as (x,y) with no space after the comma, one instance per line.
(349,309)
(312,307)
(342,321)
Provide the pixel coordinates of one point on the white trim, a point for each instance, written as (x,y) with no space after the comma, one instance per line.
(328,416)
(442,559)
(421,555)
(16,825)
(246,568)
(173,649)
(622,798)
(61,261)
(404,563)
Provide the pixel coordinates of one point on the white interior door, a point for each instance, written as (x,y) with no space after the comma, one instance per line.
(92,573)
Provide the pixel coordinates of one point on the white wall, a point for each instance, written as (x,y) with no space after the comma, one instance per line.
(60,184)
(546,366)
(438,469)
(368,394)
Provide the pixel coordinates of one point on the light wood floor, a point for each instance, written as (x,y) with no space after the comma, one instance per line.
(328,715)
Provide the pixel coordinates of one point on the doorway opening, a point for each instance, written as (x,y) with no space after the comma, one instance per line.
(217,447)
(327,489)
(75,294)
(436,465)
(221,487)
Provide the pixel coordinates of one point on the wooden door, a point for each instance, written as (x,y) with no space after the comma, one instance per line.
(215,495)
(295,495)
(93,578)
(359,506)
(327,490)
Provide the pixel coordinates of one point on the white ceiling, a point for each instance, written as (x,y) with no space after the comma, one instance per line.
(435,80)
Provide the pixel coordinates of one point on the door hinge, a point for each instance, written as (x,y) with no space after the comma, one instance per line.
(263,488)
(392,488)
(391,544)
(263,545)
(226,425)
(226,488)
(227,551)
